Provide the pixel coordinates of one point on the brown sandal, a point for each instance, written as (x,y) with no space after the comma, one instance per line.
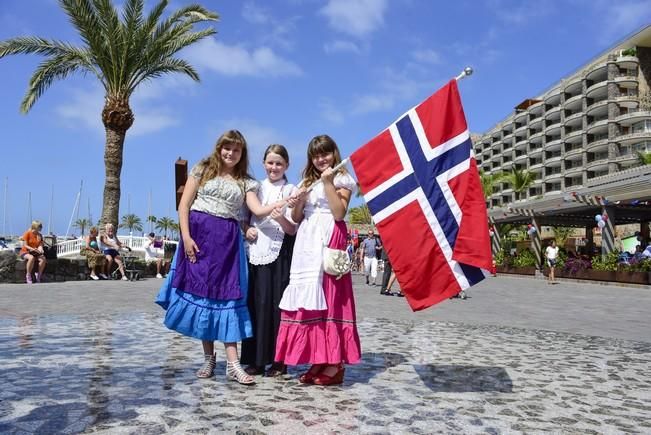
(276,370)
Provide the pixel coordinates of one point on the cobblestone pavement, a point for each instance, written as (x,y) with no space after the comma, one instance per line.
(68,367)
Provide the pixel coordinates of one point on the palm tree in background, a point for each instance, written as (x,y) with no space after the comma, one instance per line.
(122,52)
(165,224)
(360,215)
(487,183)
(82,224)
(519,179)
(131,222)
(152,221)
(175,228)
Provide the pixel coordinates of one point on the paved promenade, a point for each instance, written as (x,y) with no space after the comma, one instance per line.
(517,356)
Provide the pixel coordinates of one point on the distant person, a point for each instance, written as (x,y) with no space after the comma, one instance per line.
(388,277)
(111,246)
(155,252)
(551,253)
(368,257)
(33,252)
(94,256)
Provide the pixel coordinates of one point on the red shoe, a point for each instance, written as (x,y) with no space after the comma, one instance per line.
(336,379)
(308,376)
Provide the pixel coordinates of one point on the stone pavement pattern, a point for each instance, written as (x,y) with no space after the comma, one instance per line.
(70,369)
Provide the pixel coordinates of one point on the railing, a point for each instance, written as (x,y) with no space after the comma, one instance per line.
(71,248)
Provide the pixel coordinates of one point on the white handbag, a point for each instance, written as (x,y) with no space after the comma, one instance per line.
(336,262)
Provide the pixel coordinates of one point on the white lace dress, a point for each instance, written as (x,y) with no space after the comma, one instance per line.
(305,289)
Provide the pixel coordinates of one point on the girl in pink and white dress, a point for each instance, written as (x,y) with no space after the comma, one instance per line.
(317,324)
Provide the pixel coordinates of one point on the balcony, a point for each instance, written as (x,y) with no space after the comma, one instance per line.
(596,88)
(597,164)
(596,105)
(520,144)
(596,71)
(554,144)
(597,145)
(534,122)
(521,158)
(573,83)
(520,116)
(625,139)
(553,128)
(600,125)
(574,151)
(627,62)
(553,113)
(507,136)
(535,151)
(536,137)
(574,170)
(626,81)
(554,175)
(521,129)
(574,136)
(573,101)
(632,117)
(574,119)
(535,165)
(553,97)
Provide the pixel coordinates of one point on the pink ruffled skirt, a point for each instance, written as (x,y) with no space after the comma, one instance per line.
(326,336)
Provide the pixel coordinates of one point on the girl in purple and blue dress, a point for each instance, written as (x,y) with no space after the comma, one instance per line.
(205,293)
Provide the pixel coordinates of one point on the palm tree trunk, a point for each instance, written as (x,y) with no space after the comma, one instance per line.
(113,168)
(117,118)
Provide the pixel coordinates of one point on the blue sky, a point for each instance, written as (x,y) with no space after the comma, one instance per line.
(284,71)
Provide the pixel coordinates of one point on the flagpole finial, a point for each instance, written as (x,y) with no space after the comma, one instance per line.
(467,71)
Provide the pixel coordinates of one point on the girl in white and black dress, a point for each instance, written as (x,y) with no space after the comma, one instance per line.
(271,242)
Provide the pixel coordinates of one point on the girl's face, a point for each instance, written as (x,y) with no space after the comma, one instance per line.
(323,161)
(93,233)
(275,166)
(231,154)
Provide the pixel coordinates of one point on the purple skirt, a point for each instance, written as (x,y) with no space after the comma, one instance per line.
(216,273)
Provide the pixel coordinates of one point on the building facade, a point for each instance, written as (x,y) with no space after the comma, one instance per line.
(587,127)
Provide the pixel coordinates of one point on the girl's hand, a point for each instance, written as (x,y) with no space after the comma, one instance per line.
(191,249)
(328,176)
(297,198)
(251,234)
(277,213)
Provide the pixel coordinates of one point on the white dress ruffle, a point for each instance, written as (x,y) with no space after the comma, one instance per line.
(305,289)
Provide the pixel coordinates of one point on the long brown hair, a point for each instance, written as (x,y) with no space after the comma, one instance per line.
(280,150)
(212,165)
(321,144)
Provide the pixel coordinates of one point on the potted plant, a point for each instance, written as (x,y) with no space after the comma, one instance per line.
(604,268)
(525,262)
(576,267)
(636,272)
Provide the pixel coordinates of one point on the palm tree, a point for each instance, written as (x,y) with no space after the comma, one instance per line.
(487,183)
(152,221)
(122,53)
(175,228)
(644,158)
(82,224)
(561,234)
(519,179)
(132,222)
(360,215)
(164,224)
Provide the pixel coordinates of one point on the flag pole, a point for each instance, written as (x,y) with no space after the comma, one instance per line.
(467,71)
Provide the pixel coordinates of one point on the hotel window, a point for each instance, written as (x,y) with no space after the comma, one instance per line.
(642,126)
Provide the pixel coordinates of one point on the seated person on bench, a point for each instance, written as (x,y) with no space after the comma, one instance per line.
(154,251)
(110,248)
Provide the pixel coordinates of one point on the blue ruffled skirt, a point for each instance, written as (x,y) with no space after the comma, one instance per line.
(207,319)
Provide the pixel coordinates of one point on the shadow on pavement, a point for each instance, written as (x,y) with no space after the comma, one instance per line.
(464,379)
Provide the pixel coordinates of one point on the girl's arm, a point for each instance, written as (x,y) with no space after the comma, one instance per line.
(287,226)
(189,193)
(337,198)
(88,243)
(297,202)
(253,203)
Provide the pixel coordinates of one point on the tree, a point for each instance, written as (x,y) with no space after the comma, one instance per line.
(519,179)
(360,215)
(122,52)
(152,221)
(175,229)
(165,224)
(131,222)
(82,224)
(561,234)
(644,158)
(487,183)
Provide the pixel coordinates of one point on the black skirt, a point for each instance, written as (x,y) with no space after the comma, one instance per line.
(266,286)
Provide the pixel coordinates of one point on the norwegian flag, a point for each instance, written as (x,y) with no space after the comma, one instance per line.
(419,178)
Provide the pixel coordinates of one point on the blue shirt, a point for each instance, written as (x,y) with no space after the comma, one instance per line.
(369,247)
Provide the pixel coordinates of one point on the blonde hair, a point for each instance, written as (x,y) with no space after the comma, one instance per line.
(321,144)
(93,229)
(212,165)
(109,225)
(37,225)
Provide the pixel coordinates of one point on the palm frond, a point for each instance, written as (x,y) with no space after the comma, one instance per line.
(34,45)
(55,68)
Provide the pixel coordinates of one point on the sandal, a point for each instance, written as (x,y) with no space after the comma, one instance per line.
(208,368)
(235,373)
(313,372)
(276,370)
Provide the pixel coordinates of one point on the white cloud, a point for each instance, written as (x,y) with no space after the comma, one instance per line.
(520,12)
(235,60)
(330,112)
(426,56)
(254,13)
(340,46)
(355,17)
(623,17)
(363,104)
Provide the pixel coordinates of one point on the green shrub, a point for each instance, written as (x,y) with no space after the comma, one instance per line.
(607,262)
(525,258)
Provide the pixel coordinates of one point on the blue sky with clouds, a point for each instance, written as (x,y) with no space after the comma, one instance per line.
(283,71)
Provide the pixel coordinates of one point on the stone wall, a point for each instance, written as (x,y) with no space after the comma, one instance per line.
(12,269)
